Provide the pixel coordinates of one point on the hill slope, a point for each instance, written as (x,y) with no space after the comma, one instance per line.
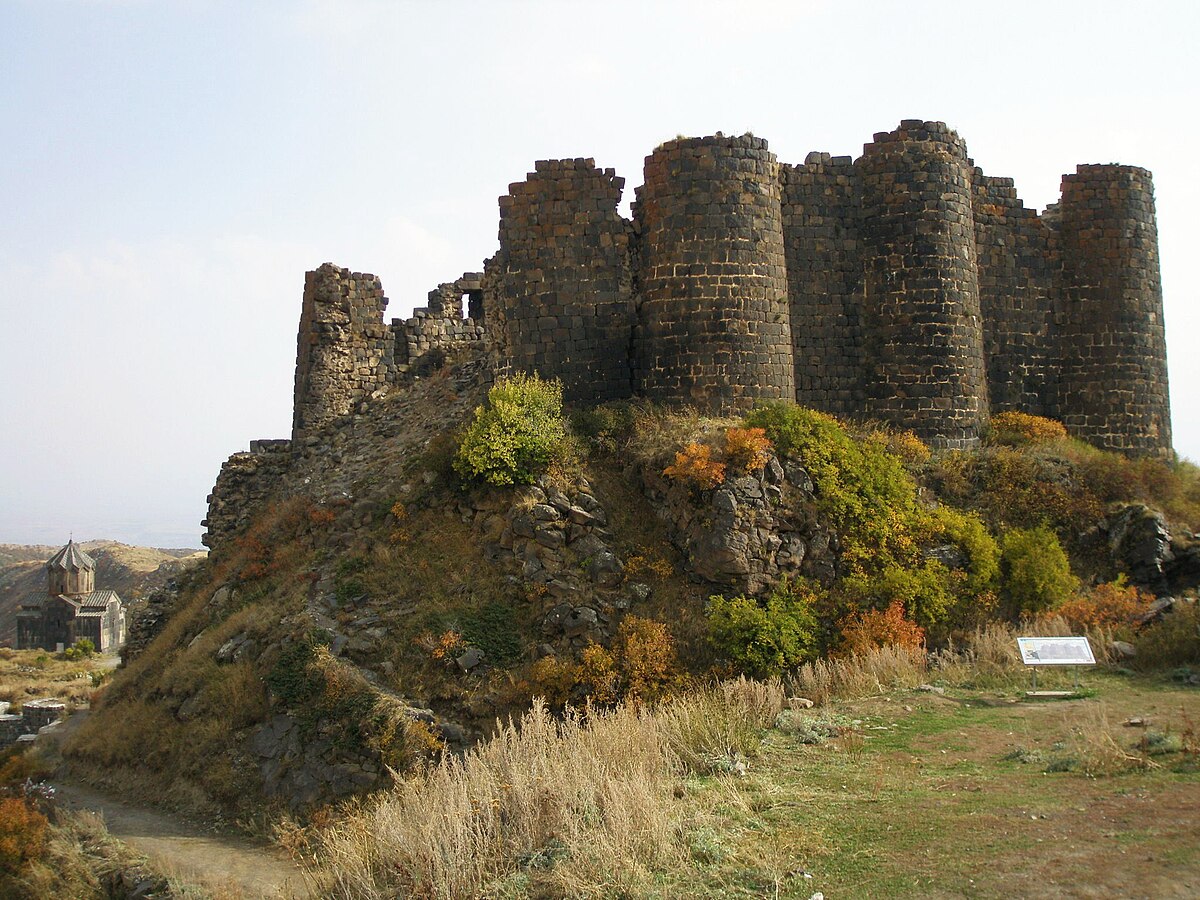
(379,608)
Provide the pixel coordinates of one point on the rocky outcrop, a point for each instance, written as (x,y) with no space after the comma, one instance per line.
(750,531)
(559,537)
(147,619)
(1143,547)
(303,767)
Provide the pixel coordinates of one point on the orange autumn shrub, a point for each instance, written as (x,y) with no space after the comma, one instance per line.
(1107,605)
(645,655)
(747,449)
(694,464)
(870,629)
(22,834)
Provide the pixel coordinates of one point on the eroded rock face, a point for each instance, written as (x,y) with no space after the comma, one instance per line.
(304,768)
(559,536)
(750,531)
(1141,544)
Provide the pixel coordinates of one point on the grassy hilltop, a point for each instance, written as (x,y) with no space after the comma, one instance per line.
(648,594)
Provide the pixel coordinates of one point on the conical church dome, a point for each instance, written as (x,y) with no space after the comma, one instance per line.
(70,571)
(71,559)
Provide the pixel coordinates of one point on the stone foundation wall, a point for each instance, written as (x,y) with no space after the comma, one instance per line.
(923,331)
(713,320)
(245,481)
(1113,348)
(344,352)
(558,293)
(824,276)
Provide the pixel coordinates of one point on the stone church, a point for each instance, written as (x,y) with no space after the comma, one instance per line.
(72,608)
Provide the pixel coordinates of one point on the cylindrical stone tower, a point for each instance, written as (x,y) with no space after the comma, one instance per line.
(713,325)
(1113,349)
(559,291)
(922,329)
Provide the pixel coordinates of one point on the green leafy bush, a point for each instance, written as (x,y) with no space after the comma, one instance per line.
(605,427)
(925,591)
(861,487)
(765,638)
(83,648)
(1035,572)
(516,435)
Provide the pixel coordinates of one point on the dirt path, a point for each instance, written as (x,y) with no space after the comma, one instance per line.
(230,865)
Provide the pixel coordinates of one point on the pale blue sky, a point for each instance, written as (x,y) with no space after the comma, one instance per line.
(173,168)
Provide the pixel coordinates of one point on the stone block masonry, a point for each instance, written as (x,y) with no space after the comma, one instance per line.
(905,285)
(558,296)
(1016,251)
(344,352)
(1113,356)
(713,326)
(245,482)
(923,332)
(824,269)
(423,340)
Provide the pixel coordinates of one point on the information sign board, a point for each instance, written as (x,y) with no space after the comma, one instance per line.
(1056,651)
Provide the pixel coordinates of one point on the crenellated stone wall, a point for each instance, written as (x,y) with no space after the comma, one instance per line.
(1016,254)
(558,295)
(423,340)
(713,320)
(824,273)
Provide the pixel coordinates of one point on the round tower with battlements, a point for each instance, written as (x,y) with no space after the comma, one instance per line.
(1113,362)
(921,324)
(713,322)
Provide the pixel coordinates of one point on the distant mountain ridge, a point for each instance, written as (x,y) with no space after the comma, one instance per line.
(131,571)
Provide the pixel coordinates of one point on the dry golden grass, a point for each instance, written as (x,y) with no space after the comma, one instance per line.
(592,793)
(33,674)
(877,671)
(1094,749)
(988,657)
(582,806)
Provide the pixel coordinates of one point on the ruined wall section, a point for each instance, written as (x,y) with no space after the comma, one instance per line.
(1113,347)
(824,278)
(558,295)
(423,340)
(923,335)
(245,482)
(713,321)
(1016,252)
(344,350)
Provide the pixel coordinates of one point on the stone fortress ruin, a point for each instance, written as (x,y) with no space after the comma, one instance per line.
(904,285)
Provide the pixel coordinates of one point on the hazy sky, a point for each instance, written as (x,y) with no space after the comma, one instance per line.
(171,170)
